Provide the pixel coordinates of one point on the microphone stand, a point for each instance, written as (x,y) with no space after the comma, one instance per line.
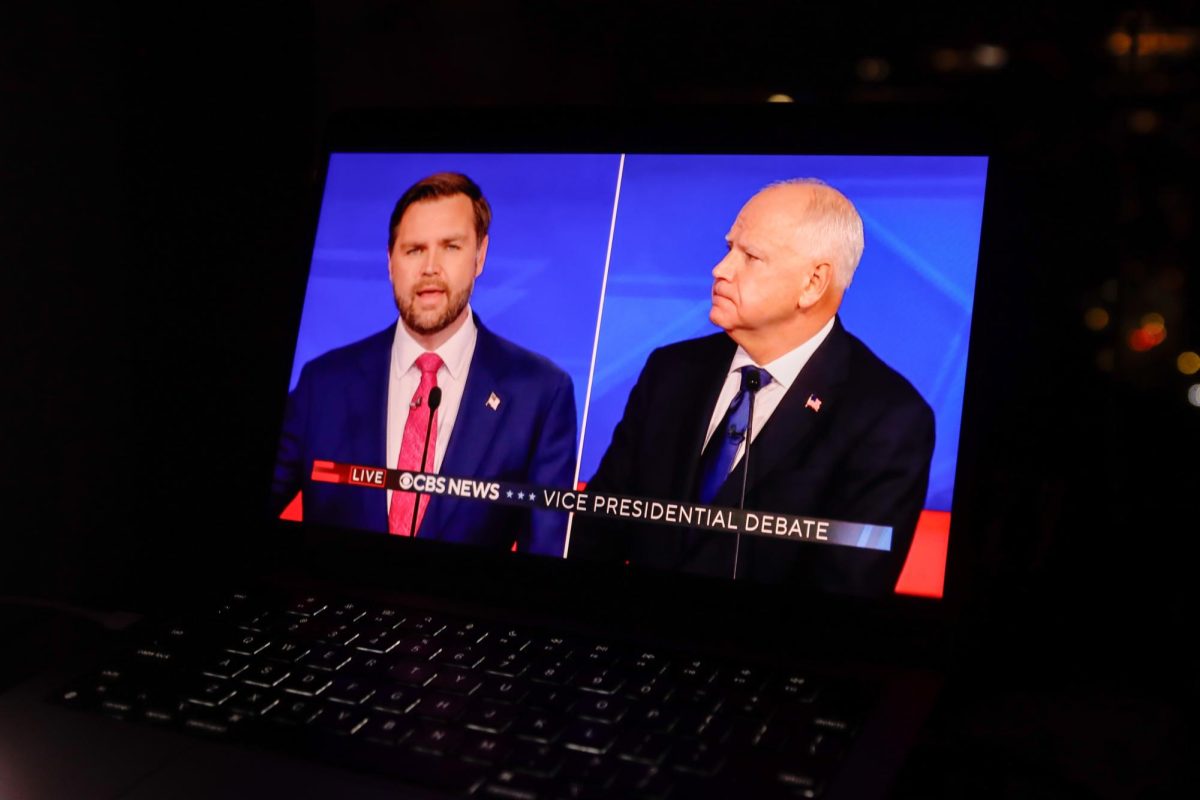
(435,400)
(753,384)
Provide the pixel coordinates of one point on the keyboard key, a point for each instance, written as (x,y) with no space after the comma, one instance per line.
(643,748)
(653,718)
(299,711)
(589,737)
(536,758)
(326,658)
(460,656)
(306,683)
(426,624)
(645,663)
(438,738)
(342,721)
(555,671)
(349,690)
(512,665)
(600,708)
(253,703)
(264,673)
(798,688)
(744,679)
(210,722)
(489,717)
(695,673)
(210,693)
(247,644)
(551,698)
(421,648)
(509,785)
(387,729)
(369,665)
(601,680)
(394,700)
(696,757)
(440,706)
(377,641)
(286,651)
(648,690)
(412,673)
(382,618)
(540,726)
(459,681)
(485,748)
(464,633)
(307,606)
(227,666)
(503,689)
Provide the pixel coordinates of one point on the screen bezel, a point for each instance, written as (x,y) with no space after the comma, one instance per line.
(639,596)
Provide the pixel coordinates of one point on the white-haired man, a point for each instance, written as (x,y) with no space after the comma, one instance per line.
(836,433)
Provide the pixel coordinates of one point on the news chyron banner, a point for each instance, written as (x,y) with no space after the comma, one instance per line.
(640,509)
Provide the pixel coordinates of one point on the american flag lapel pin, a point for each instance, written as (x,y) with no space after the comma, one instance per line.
(813,402)
(493,401)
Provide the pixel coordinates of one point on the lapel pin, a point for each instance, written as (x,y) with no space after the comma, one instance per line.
(493,402)
(813,402)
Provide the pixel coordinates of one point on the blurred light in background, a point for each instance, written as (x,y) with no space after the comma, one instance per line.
(1152,43)
(1096,319)
(780,98)
(873,69)
(1143,121)
(1151,333)
(1194,394)
(1188,363)
(946,60)
(990,56)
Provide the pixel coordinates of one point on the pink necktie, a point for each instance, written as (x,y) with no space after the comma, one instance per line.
(400,515)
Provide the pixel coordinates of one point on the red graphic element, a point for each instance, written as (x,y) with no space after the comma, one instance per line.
(329,472)
(813,402)
(295,509)
(924,572)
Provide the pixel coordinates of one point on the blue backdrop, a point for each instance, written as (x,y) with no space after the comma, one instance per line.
(540,286)
(910,300)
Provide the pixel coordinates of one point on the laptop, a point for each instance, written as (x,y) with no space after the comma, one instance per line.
(515,629)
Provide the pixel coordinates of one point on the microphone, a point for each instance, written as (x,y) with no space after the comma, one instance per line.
(435,400)
(753,384)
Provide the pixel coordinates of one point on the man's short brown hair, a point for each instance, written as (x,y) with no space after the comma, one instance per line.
(443,184)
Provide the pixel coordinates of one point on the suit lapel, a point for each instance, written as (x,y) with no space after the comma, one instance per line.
(700,388)
(477,427)
(793,421)
(370,437)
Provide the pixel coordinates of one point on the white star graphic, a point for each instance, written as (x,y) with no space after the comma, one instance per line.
(508,494)
(521,495)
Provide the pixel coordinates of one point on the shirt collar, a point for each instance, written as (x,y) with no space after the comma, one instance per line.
(785,368)
(455,351)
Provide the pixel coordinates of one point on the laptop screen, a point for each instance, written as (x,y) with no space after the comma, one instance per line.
(744,366)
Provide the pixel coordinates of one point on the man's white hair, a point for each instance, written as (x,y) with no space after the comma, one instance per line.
(834,225)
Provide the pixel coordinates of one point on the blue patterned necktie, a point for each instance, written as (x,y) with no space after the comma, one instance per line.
(718,456)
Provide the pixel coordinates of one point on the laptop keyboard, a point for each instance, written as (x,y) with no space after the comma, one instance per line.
(480,709)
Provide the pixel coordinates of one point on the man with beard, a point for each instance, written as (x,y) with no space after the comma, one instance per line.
(505,413)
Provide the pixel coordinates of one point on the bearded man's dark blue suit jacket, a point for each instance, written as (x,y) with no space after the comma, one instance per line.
(338,412)
(864,456)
